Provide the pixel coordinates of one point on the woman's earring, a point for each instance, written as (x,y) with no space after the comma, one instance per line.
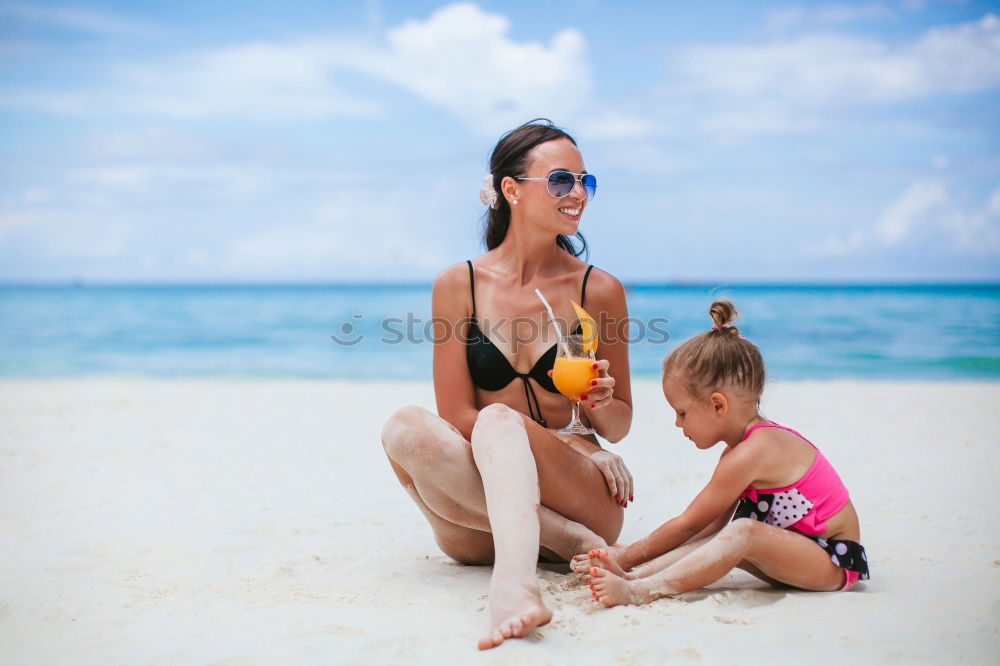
(514,202)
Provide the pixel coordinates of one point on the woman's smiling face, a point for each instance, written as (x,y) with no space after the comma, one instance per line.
(561,216)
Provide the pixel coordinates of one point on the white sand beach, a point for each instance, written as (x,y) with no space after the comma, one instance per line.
(257,522)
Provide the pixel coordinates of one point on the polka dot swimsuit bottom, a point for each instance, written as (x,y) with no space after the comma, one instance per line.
(780,511)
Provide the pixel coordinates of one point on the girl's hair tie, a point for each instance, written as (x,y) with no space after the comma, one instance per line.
(716,327)
(487,194)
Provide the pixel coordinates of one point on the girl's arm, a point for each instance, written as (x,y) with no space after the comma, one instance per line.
(716,524)
(712,506)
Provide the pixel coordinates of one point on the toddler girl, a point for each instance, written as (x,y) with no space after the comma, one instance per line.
(774,506)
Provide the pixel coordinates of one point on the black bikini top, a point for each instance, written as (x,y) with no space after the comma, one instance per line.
(490,369)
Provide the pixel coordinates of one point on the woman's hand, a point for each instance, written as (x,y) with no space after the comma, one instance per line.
(601,393)
(618,477)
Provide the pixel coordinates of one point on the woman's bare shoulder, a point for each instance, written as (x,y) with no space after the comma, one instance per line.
(603,280)
(604,288)
(451,294)
(452,275)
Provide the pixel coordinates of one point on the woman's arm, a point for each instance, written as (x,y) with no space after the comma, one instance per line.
(732,475)
(611,414)
(453,389)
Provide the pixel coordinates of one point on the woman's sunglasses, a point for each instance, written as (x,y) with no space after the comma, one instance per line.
(561,183)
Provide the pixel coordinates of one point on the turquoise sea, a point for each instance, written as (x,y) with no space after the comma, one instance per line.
(822,332)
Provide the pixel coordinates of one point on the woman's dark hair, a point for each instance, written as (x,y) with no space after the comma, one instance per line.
(510,158)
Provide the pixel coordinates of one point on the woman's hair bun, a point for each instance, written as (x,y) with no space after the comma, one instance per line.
(723,313)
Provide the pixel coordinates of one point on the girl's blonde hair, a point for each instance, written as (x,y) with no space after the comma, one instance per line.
(718,357)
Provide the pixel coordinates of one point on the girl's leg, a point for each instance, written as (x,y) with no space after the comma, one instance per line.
(660,563)
(604,558)
(779,554)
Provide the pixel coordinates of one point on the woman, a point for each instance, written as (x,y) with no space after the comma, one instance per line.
(489,472)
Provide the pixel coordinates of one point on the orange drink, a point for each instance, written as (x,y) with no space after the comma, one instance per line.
(572,376)
(572,373)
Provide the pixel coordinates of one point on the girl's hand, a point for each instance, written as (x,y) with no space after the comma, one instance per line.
(616,474)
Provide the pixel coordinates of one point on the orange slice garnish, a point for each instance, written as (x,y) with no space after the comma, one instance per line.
(589,327)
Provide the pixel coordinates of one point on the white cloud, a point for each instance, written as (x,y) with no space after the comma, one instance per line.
(57,102)
(363,237)
(58,233)
(38,195)
(258,80)
(639,157)
(898,221)
(462,59)
(177,184)
(798,16)
(84,20)
(923,211)
(838,244)
(788,84)
(978,231)
(609,124)
(163,143)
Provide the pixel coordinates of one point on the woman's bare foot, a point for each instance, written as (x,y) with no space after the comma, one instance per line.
(516,609)
(612,590)
(566,538)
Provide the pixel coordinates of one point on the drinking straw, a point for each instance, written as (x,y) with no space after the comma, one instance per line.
(552,317)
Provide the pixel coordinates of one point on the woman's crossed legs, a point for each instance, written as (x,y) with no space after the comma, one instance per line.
(514,489)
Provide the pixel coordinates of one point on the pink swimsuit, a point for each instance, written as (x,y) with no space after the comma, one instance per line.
(804,507)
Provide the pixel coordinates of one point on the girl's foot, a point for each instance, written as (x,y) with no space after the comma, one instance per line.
(515,610)
(612,590)
(605,558)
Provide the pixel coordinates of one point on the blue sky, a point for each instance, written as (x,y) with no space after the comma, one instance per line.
(333,141)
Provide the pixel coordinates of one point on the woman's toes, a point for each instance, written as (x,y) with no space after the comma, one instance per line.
(490,641)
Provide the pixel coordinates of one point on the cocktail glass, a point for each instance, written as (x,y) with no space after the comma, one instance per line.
(572,373)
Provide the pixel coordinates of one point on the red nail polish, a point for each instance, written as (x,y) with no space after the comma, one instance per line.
(593,382)
(583,397)
(630,499)
(592,405)
(593,571)
(593,367)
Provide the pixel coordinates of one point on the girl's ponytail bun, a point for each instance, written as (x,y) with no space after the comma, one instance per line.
(723,313)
